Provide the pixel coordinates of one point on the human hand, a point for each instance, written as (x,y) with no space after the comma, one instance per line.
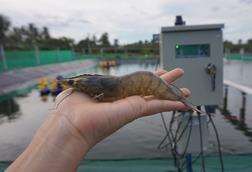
(79,122)
(95,120)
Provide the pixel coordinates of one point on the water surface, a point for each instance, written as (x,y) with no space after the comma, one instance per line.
(20,117)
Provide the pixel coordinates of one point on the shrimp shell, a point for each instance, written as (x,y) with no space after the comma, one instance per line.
(107,88)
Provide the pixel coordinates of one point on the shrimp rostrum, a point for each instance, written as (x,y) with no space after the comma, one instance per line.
(107,88)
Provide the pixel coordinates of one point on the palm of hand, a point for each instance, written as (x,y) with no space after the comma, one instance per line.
(96,120)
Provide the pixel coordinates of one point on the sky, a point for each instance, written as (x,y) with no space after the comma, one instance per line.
(128,20)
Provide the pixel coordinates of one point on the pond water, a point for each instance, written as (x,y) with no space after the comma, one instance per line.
(21,116)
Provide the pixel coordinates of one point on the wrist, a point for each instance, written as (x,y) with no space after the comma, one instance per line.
(59,134)
(56,145)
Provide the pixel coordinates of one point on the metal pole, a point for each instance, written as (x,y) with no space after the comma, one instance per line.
(101,51)
(73,53)
(37,54)
(127,58)
(2,55)
(189,163)
(126,53)
(89,48)
(243,108)
(225,98)
(58,55)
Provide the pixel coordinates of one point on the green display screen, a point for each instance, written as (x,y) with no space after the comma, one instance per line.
(192,51)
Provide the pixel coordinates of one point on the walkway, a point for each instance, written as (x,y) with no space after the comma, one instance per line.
(13,80)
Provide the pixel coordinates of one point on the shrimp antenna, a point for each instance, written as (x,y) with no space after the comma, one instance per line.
(71,92)
(193,107)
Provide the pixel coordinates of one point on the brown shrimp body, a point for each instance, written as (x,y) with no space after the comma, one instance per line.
(146,83)
(106,88)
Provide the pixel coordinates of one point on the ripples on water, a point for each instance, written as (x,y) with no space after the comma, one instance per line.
(21,116)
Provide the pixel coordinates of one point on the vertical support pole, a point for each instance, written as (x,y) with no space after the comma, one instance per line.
(127,58)
(58,55)
(225,99)
(189,163)
(243,108)
(89,47)
(101,52)
(126,53)
(37,54)
(2,55)
(73,54)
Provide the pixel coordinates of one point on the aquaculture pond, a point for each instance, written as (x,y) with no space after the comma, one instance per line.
(21,116)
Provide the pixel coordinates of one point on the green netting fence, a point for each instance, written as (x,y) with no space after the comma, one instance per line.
(237,56)
(22,59)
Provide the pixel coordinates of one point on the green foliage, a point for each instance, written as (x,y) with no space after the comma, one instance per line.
(230,47)
(30,36)
(104,40)
(4,26)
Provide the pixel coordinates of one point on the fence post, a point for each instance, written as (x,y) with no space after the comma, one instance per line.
(243,108)
(101,52)
(37,54)
(58,55)
(89,47)
(73,53)
(2,55)
(225,98)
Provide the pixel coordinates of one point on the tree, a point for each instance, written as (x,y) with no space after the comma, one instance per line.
(94,39)
(4,26)
(33,33)
(104,40)
(15,38)
(228,46)
(45,33)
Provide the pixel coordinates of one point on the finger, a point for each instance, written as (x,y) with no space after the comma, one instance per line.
(186,92)
(125,110)
(172,75)
(156,106)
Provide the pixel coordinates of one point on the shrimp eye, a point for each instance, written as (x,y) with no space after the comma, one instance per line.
(70,82)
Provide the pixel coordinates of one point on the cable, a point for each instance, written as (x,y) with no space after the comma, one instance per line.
(201,143)
(173,140)
(171,123)
(166,129)
(218,141)
(160,144)
(188,137)
(169,131)
(181,134)
(176,139)
(174,154)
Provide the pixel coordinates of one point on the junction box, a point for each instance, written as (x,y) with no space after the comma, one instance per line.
(198,50)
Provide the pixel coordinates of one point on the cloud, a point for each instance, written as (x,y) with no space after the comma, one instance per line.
(128,20)
(246,1)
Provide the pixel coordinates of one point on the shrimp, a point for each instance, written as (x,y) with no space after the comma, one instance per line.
(106,88)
